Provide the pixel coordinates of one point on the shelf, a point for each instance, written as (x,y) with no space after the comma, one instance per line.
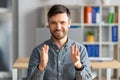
(107,24)
(76,24)
(3,10)
(5,16)
(91,43)
(85,24)
(109,43)
(114,5)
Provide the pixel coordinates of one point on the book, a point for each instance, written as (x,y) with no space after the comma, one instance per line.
(88,14)
(96,50)
(115,18)
(95,15)
(88,47)
(110,18)
(85,15)
(114,33)
(74,26)
(93,50)
(111,15)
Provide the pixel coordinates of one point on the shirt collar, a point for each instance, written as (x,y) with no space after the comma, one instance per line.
(69,41)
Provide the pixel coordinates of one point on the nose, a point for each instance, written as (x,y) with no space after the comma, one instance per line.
(58,26)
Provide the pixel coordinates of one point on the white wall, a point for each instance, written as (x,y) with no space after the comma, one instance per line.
(27,18)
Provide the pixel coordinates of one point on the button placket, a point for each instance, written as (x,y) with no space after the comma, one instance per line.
(59,66)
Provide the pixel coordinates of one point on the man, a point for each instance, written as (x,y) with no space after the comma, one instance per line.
(59,58)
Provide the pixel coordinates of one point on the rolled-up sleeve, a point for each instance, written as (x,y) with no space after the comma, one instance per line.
(85,74)
(33,72)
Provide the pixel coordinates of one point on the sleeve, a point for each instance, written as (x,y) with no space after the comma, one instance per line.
(84,74)
(33,72)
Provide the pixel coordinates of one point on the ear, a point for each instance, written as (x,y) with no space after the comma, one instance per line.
(48,24)
(69,23)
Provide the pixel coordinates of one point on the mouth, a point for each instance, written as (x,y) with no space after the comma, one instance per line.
(58,32)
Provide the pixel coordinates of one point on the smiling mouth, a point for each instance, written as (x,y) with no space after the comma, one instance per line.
(57,32)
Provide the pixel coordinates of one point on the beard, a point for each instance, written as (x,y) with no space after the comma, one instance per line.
(58,35)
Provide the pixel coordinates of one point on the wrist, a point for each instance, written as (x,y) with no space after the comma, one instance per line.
(41,68)
(79,67)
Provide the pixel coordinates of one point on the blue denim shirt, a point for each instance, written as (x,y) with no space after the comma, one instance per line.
(60,66)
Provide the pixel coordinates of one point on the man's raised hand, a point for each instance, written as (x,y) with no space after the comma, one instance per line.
(43,57)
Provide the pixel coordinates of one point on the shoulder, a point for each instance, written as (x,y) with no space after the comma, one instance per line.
(47,42)
(80,45)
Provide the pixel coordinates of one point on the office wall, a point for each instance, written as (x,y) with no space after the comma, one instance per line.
(27,19)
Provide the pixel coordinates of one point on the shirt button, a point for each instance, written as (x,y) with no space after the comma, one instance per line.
(59,74)
(59,62)
(57,50)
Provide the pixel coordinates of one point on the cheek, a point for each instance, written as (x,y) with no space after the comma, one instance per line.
(51,27)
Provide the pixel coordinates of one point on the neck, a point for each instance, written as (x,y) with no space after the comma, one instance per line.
(60,43)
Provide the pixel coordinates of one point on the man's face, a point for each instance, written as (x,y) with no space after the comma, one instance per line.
(59,25)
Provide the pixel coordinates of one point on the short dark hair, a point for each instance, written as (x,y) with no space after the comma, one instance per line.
(57,9)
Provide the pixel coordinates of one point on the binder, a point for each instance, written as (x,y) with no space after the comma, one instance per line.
(114,33)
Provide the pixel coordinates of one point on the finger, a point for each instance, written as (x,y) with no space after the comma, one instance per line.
(42,51)
(78,53)
(75,49)
(42,54)
(72,49)
(47,48)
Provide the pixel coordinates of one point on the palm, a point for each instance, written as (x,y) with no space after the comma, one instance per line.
(75,55)
(44,55)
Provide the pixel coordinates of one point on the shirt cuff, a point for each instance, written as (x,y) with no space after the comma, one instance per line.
(40,74)
(80,69)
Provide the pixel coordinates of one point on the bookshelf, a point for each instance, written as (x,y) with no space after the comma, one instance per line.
(101,19)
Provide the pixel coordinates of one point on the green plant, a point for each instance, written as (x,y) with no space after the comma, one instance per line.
(90,33)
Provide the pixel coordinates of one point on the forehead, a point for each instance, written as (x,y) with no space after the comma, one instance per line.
(60,16)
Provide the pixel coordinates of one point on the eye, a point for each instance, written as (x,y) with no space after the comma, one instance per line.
(63,23)
(52,23)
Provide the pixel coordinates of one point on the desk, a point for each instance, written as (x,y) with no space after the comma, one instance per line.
(106,65)
(22,63)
